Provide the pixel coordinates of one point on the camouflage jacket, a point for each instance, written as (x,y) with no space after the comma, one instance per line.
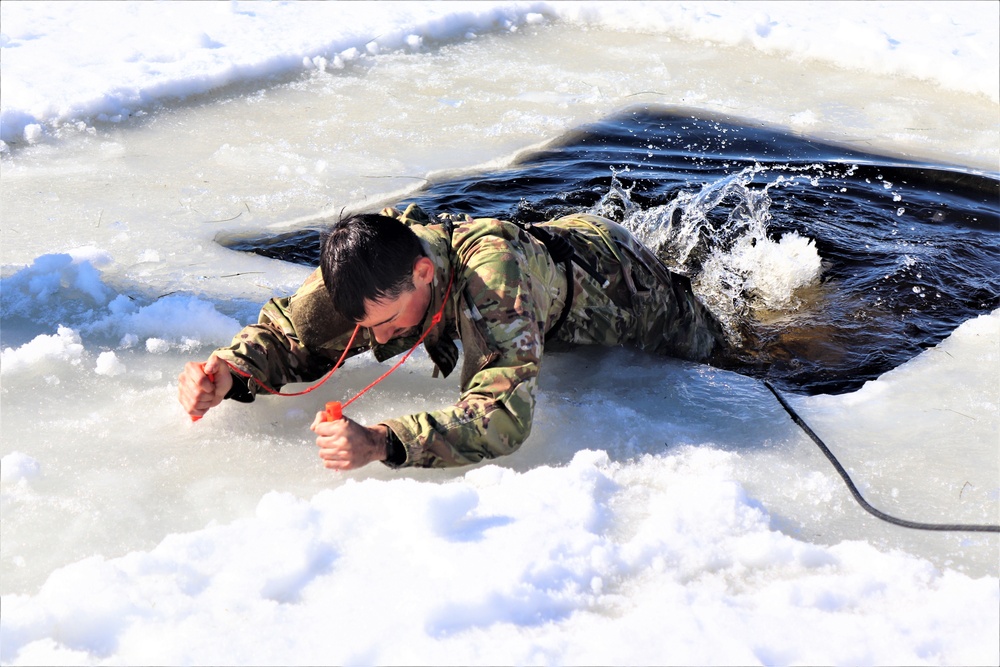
(507,293)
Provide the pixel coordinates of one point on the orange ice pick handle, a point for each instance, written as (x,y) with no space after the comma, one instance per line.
(334,411)
(211,376)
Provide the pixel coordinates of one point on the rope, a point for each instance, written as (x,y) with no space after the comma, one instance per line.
(857,494)
(434,322)
(275,392)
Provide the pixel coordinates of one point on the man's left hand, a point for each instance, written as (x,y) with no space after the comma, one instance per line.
(345,444)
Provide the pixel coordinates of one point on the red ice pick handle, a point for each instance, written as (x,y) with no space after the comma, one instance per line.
(334,411)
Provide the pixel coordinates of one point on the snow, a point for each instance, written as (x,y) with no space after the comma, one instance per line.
(64,346)
(696,576)
(17,466)
(661,513)
(100,61)
(109,364)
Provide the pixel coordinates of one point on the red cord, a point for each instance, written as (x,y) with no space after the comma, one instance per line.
(316,386)
(434,322)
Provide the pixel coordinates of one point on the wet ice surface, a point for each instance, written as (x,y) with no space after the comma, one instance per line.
(659,508)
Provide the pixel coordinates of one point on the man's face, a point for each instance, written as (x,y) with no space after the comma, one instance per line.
(395,318)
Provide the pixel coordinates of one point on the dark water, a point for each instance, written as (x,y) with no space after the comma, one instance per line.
(909,250)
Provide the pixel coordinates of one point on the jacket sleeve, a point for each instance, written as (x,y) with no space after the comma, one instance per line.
(493,414)
(296,339)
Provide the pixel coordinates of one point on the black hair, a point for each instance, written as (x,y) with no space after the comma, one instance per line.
(367,257)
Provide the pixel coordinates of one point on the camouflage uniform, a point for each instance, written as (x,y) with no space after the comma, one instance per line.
(507,294)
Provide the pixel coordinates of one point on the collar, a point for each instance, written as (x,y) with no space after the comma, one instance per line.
(439,341)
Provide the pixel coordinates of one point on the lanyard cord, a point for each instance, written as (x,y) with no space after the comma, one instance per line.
(434,322)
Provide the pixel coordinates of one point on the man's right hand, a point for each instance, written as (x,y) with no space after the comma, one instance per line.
(197,392)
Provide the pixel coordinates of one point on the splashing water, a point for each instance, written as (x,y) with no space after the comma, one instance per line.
(736,268)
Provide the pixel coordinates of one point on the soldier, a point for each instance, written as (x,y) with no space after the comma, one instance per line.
(502,289)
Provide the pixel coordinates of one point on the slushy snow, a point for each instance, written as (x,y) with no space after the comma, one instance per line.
(104,64)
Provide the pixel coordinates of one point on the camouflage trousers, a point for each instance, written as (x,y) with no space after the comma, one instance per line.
(644,303)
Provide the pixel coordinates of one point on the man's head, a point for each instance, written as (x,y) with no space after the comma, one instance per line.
(376,273)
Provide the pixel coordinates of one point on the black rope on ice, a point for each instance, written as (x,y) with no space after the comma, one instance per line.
(854,490)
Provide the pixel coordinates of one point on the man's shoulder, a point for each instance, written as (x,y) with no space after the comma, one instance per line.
(475,237)
(463,229)
(487,233)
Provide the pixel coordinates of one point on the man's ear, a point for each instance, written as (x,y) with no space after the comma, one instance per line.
(423,271)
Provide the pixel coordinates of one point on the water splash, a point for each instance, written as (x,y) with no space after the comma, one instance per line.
(719,237)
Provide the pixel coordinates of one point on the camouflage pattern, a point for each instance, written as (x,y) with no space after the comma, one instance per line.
(507,293)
